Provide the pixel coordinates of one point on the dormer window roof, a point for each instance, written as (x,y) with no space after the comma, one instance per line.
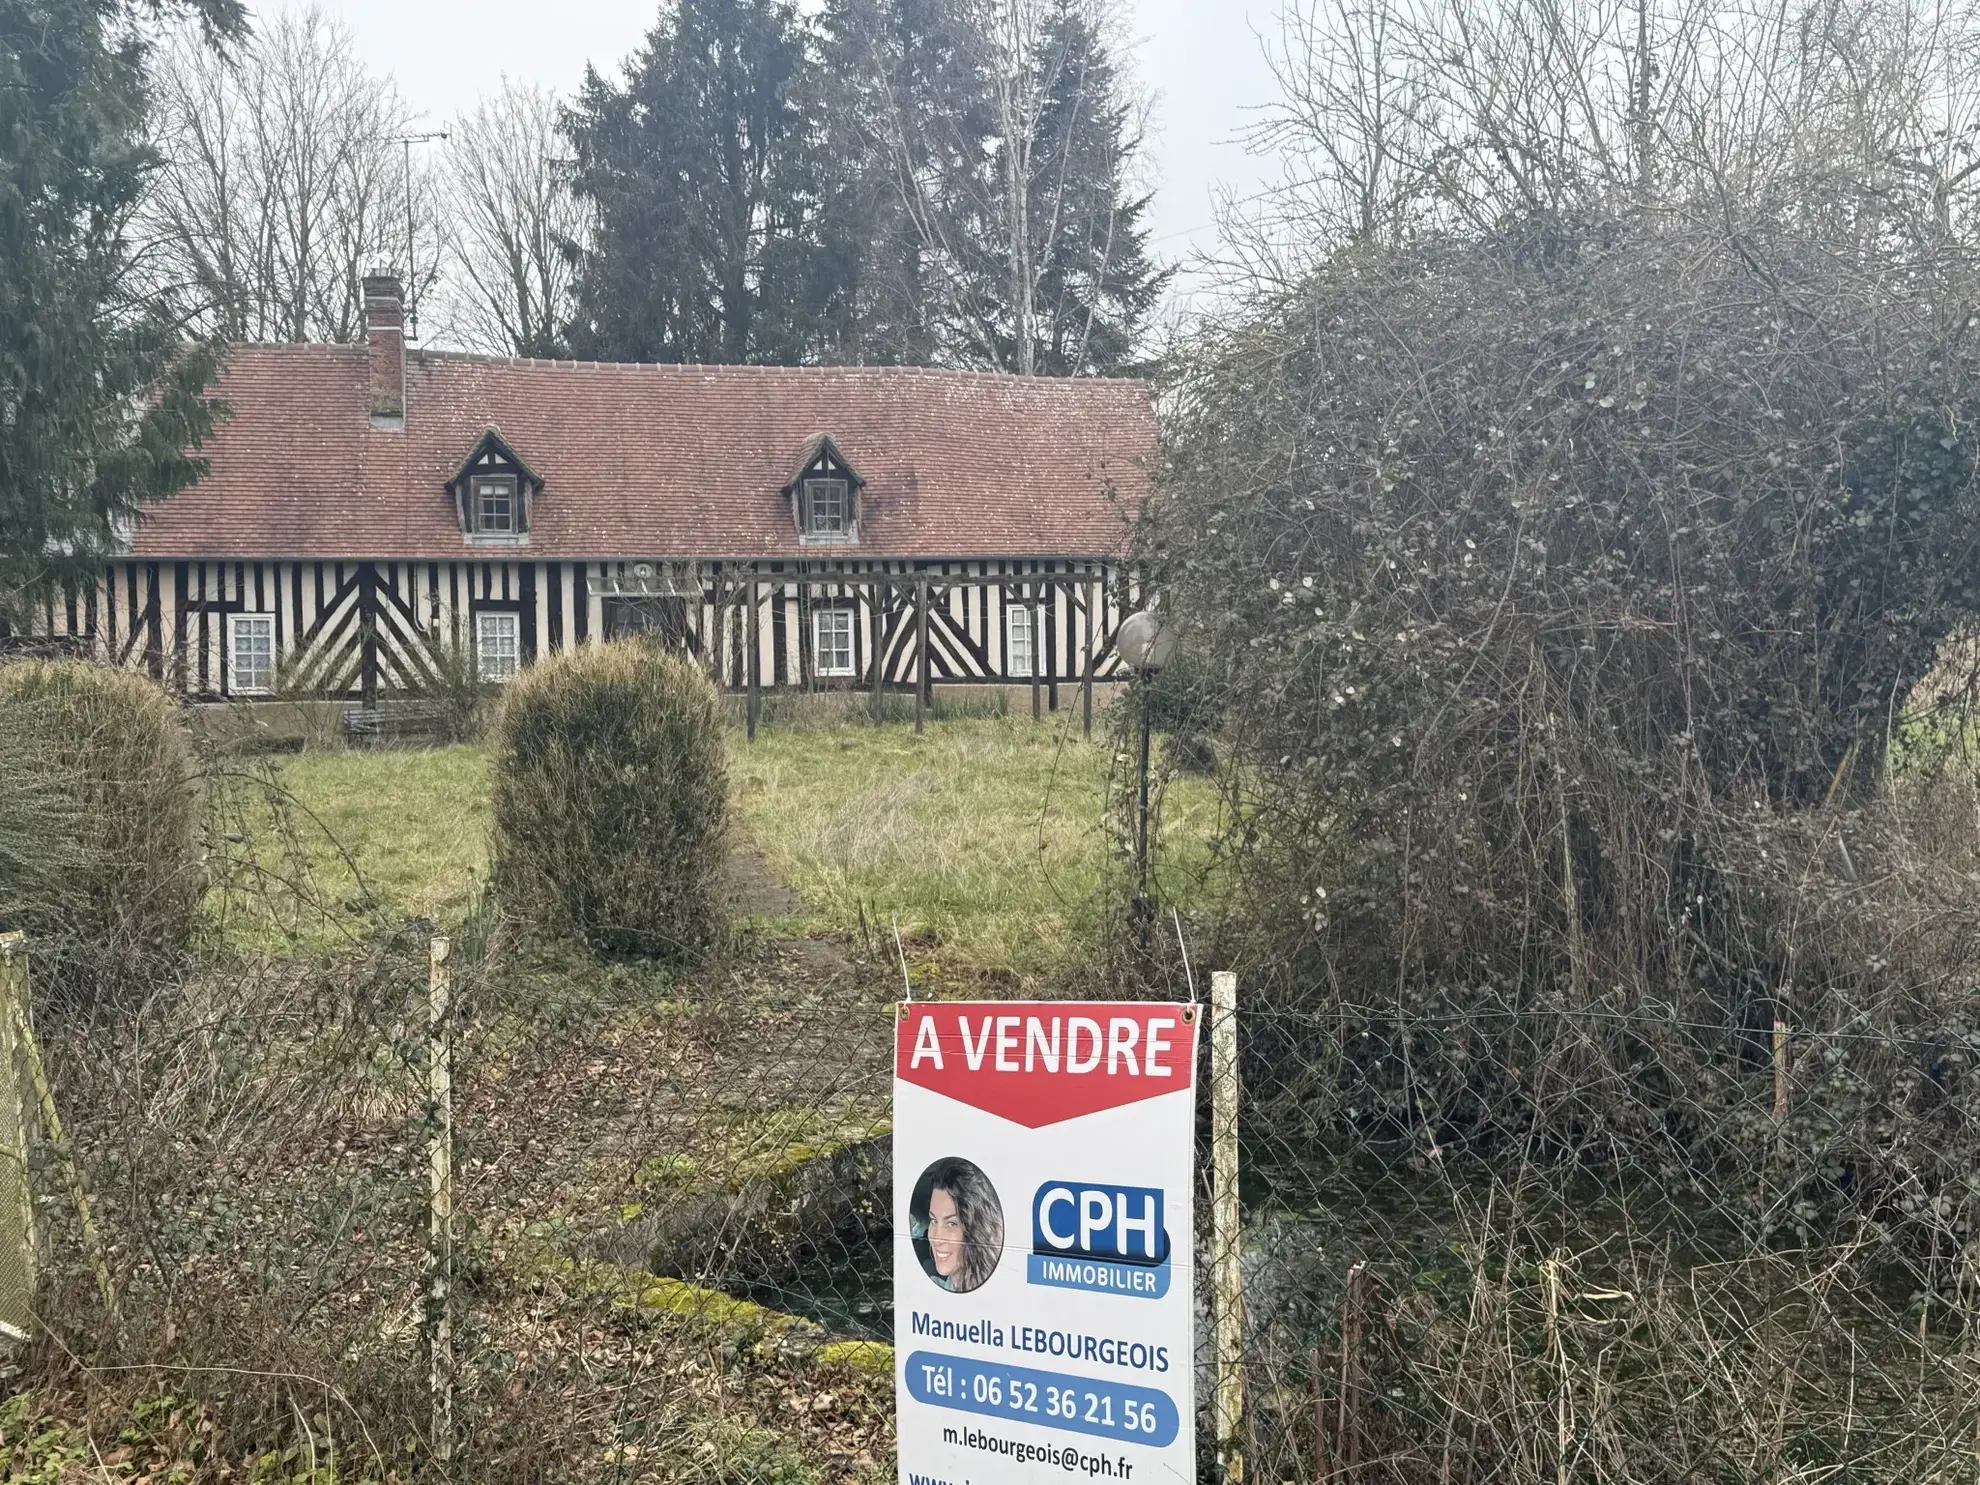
(824,494)
(494,492)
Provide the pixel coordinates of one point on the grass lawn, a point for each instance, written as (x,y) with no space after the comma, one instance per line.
(986,834)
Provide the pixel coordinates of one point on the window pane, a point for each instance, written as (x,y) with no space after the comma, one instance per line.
(494,506)
(825,502)
(253,658)
(832,635)
(1017,653)
(497,645)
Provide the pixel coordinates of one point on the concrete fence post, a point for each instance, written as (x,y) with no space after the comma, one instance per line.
(1225,1257)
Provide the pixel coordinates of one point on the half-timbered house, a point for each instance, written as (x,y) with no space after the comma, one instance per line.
(793,527)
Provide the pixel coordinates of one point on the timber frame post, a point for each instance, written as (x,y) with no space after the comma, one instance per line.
(1086,670)
(882,600)
(920,654)
(736,597)
(753,637)
(1033,597)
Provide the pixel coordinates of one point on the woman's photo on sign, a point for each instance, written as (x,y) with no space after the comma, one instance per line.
(957,1224)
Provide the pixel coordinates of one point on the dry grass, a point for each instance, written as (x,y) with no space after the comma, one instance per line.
(984,835)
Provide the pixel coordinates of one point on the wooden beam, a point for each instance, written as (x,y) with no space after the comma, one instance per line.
(1037,652)
(752,637)
(1086,671)
(881,597)
(920,654)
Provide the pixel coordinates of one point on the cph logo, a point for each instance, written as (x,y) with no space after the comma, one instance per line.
(1116,1224)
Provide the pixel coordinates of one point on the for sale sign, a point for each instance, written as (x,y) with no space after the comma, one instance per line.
(1042,1263)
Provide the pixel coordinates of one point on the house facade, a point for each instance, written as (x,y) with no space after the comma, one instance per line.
(794,528)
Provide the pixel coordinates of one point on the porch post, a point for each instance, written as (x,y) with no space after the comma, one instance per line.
(1037,649)
(1086,671)
(882,596)
(753,637)
(920,653)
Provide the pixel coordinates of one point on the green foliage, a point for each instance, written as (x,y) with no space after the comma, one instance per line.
(982,203)
(895,181)
(610,803)
(903,96)
(1096,284)
(100,397)
(100,758)
(698,172)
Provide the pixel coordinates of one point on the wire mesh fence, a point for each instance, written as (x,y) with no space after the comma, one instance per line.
(660,1245)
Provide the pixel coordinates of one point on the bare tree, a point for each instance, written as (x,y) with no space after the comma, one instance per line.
(1439,115)
(285,182)
(513,214)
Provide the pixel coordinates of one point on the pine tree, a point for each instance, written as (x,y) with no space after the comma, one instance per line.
(985,204)
(1095,282)
(101,398)
(910,134)
(701,175)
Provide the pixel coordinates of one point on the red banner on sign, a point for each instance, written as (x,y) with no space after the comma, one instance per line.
(1037,1064)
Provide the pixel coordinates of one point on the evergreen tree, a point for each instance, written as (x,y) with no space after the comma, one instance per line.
(985,205)
(1095,282)
(701,175)
(910,133)
(100,396)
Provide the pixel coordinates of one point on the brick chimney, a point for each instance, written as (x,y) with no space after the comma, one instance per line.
(385,339)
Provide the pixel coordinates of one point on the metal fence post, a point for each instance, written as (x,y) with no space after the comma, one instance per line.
(16,1193)
(440,1153)
(1228,1273)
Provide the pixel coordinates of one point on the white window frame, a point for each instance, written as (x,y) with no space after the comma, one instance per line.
(244,683)
(840,620)
(842,530)
(1018,636)
(497,657)
(492,484)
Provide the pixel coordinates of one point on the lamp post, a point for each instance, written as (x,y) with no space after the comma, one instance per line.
(1145,644)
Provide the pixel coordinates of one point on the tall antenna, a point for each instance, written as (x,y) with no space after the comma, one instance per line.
(412,273)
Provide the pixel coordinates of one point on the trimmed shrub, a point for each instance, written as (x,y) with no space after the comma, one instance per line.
(99,813)
(610,801)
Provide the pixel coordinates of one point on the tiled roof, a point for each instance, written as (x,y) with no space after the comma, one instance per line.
(660,461)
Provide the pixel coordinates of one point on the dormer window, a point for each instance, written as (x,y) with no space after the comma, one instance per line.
(826,506)
(494,492)
(495,506)
(825,494)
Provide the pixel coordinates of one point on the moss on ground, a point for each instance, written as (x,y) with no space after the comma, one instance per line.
(762,1145)
(736,1324)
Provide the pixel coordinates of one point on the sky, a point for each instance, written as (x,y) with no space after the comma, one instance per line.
(1201,60)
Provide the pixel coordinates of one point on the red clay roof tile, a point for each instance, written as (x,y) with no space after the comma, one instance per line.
(662,461)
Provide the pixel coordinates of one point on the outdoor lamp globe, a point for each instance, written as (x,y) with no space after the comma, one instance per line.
(1145,642)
